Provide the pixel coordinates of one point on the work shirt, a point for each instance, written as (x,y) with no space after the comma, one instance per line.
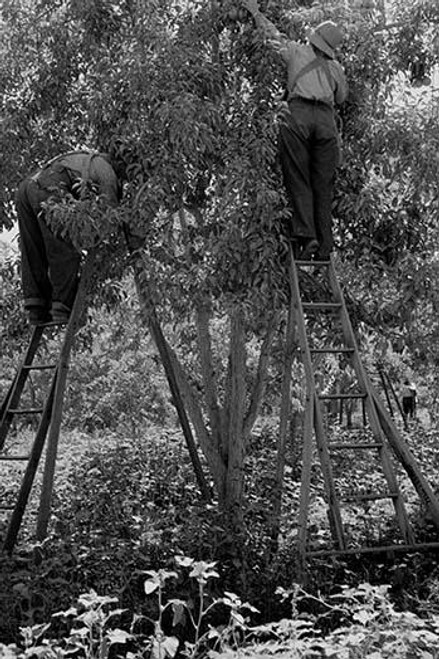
(325,82)
(78,168)
(408,391)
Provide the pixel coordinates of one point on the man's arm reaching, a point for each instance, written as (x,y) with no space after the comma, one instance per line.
(278,40)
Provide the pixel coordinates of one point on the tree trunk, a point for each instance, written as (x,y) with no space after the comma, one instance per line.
(235,477)
(221,430)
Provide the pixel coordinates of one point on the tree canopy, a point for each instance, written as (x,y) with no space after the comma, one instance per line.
(186,95)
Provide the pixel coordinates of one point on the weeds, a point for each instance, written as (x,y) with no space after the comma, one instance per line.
(96,629)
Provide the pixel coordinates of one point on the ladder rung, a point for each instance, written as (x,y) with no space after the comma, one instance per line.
(415,547)
(7,507)
(371,497)
(331,350)
(341,396)
(53,323)
(321,306)
(354,445)
(317,263)
(14,457)
(38,367)
(29,410)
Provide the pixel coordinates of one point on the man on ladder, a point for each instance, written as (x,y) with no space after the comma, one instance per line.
(49,263)
(308,136)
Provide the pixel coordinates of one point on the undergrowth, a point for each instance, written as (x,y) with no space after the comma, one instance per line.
(125,508)
(97,627)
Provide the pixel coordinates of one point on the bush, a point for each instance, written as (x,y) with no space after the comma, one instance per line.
(368,626)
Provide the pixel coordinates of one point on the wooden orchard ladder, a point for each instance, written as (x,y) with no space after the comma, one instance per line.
(49,414)
(384,440)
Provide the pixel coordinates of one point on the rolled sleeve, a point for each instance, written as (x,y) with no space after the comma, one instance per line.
(275,39)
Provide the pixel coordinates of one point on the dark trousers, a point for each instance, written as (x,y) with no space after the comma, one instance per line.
(308,152)
(408,406)
(49,265)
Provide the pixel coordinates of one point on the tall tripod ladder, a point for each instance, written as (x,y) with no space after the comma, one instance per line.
(49,413)
(385,441)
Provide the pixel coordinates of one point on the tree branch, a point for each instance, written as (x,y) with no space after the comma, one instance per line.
(236,413)
(208,374)
(259,386)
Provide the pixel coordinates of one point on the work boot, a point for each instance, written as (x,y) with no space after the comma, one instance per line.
(323,254)
(38,315)
(60,313)
(309,249)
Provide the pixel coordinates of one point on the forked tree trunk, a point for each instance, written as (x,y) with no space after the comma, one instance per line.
(221,428)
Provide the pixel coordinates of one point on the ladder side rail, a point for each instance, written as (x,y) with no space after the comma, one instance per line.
(397,401)
(14,394)
(78,310)
(29,475)
(335,515)
(408,461)
(145,294)
(374,420)
(5,403)
(386,392)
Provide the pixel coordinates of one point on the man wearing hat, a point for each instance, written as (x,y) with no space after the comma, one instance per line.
(49,263)
(308,138)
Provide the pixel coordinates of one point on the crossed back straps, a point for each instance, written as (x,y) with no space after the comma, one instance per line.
(53,161)
(316,63)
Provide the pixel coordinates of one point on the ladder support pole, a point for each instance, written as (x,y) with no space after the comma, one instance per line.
(407,460)
(147,302)
(162,347)
(376,425)
(398,403)
(78,309)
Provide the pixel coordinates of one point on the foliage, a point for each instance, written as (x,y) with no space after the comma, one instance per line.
(185,95)
(367,624)
(126,506)
(376,629)
(13,328)
(107,391)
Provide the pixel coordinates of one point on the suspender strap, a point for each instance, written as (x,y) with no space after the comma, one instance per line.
(316,63)
(53,161)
